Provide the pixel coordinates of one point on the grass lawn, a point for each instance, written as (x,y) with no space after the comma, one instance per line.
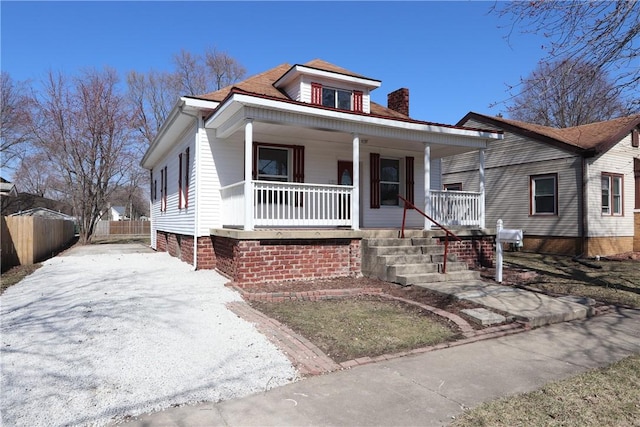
(608,281)
(348,328)
(16,274)
(602,397)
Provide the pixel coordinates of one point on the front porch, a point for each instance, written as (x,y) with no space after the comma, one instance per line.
(289,204)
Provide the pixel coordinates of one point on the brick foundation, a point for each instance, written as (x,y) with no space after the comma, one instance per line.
(181,247)
(262,261)
(475,251)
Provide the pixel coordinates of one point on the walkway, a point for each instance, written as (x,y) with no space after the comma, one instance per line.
(429,388)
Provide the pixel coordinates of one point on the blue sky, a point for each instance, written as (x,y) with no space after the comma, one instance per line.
(451,55)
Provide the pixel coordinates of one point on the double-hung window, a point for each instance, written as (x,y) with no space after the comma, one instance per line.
(611,194)
(544,194)
(389,182)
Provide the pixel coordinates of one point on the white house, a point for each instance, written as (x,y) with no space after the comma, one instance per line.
(573,190)
(297,163)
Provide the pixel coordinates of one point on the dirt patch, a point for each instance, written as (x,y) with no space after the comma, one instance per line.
(16,274)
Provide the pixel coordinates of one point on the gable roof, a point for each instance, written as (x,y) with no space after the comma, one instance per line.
(263,84)
(590,138)
(27,201)
(120,210)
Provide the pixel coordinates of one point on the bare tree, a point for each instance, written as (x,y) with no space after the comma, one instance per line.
(14,118)
(34,175)
(82,125)
(151,96)
(154,94)
(224,69)
(604,35)
(190,75)
(564,94)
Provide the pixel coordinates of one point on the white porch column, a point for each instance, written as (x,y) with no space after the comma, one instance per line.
(481,213)
(248,175)
(355,198)
(427,185)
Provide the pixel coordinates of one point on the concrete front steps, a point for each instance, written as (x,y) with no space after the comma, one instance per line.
(411,260)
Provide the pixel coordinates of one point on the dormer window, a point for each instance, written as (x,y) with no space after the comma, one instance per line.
(340,99)
(336,98)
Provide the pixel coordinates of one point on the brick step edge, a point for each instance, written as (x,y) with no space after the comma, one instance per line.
(306,295)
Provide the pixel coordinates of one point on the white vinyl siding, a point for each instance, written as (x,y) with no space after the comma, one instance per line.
(321,162)
(617,161)
(305,90)
(172,219)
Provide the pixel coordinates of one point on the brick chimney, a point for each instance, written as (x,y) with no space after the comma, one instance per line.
(399,101)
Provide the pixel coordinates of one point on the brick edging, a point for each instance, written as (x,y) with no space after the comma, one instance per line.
(303,354)
(308,359)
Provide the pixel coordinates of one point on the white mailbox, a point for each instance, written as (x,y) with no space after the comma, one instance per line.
(504,235)
(508,235)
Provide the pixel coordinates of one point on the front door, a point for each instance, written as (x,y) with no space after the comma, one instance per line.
(345,177)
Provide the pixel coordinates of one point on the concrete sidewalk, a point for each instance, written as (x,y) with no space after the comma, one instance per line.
(427,389)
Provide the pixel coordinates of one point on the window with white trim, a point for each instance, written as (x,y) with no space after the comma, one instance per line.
(336,98)
(544,194)
(273,164)
(612,194)
(389,181)
(342,99)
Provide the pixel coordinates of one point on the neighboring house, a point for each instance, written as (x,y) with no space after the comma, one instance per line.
(7,188)
(281,175)
(118,213)
(45,213)
(23,202)
(573,191)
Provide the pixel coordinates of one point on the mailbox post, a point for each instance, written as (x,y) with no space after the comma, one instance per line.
(504,235)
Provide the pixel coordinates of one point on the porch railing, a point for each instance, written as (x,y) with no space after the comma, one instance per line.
(289,204)
(409,205)
(453,208)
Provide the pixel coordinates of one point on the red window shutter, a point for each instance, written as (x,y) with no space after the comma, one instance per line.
(161,189)
(186,179)
(298,163)
(180,181)
(635,138)
(409,172)
(357,101)
(254,167)
(166,178)
(316,93)
(636,173)
(375,180)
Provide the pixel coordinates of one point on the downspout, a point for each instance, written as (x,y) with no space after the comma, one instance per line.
(196,217)
(584,229)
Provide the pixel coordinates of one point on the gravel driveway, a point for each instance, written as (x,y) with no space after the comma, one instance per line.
(113,330)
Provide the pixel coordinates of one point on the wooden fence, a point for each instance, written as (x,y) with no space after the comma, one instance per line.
(109,228)
(31,239)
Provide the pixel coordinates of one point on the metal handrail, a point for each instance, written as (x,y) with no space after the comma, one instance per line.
(445,229)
